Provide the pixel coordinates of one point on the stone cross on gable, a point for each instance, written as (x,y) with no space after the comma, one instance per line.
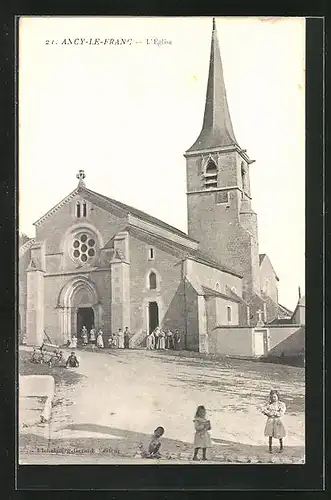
(259,318)
(81,176)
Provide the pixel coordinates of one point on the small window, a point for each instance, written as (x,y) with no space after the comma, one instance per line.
(84,209)
(151,254)
(78,209)
(229,313)
(152,281)
(222,197)
(217,287)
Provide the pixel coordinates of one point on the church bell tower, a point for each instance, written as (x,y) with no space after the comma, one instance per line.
(220,215)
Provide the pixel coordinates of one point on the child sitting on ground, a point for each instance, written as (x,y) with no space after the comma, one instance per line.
(154,445)
(72,361)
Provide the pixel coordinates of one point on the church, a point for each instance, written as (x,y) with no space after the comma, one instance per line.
(97,261)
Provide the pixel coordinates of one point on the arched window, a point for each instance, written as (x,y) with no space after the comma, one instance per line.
(78,212)
(84,209)
(152,280)
(211,175)
(217,287)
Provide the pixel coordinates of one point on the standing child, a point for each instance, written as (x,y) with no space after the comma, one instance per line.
(274,428)
(100,343)
(92,335)
(202,437)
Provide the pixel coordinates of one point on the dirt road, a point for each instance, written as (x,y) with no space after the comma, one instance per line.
(123,395)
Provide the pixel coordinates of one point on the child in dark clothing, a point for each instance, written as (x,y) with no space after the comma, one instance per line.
(154,445)
(72,361)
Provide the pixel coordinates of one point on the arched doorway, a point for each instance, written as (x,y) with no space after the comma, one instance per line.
(153,315)
(79,305)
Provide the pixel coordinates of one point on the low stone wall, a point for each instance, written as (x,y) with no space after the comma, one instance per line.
(232,341)
(34,388)
(285,342)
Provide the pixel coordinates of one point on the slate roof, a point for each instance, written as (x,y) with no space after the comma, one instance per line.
(187,252)
(217,129)
(214,293)
(140,214)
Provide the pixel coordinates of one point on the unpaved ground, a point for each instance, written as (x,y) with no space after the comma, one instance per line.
(121,396)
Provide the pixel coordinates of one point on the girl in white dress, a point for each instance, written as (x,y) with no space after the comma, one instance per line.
(150,340)
(100,339)
(120,338)
(274,428)
(202,437)
(92,335)
(161,339)
(73,342)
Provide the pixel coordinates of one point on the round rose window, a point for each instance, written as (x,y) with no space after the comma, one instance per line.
(83,247)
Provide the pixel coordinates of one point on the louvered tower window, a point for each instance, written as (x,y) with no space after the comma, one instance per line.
(211,175)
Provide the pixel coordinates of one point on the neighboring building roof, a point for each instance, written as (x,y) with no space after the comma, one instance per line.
(281,321)
(284,312)
(217,130)
(284,316)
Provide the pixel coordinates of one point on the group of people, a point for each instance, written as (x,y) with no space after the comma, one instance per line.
(157,339)
(55,359)
(274,410)
(119,340)
(94,337)
(163,339)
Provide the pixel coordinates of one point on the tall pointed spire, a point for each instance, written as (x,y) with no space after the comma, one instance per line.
(217,130)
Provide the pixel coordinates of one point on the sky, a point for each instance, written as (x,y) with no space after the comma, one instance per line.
(126,114)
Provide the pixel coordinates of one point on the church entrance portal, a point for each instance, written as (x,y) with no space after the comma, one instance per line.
(153,314)
(85,317)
